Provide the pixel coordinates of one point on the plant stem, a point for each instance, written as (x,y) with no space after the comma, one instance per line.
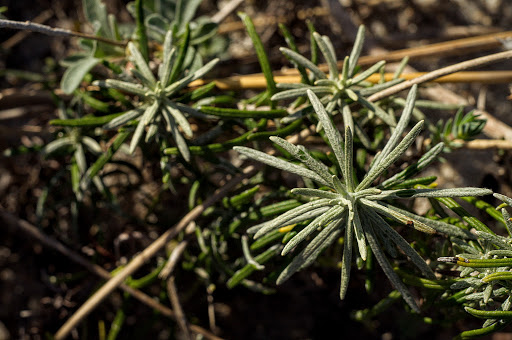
(489,59)
(56,32)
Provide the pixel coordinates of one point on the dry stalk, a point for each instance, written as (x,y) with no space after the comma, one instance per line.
(20,225)
(145,255)
(56,32)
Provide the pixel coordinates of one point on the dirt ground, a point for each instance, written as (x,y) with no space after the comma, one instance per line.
(39,289)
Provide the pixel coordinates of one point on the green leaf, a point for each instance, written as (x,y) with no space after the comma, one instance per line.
(76,72)
(104,159)
(309,254)
(356,51)
(185,12)
(178,138)
(260,52)
(177,67)
(248,269)
(378,168)
(333,135)
(280,164)
(141,63)
(182,83)
(140,31)
(56,145)
(487,314)
(182,121)
(164,72)
(96,13)
(388,270)
(325,46)
(332,214)
(136,89)
(284,219)
(236,113)
(85,121)
(124,118)
(303,62)
(301,154)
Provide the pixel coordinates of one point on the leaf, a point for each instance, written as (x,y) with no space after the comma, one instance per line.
(236,113)
(332,214)
(203,32)
(346,262)
(365,74)
(356,51)
(164,72)
(333,135)
(182,83)
(185,12)
(124,118)
(56,145)
(388,270)
(378,168)
(178,138)
(401,126)
(140,30)
(85,121)
(76,72)
(303,62)
(325,46)
(260,52)
(183,48)
(137,89)
(285,218)
(280,164)
(96,13)
(182,121)
(141,63)
(301,154)
(137,136)
(309,254)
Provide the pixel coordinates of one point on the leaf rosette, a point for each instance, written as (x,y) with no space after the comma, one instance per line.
(357,211)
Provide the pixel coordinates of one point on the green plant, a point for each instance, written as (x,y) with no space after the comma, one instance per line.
(157,95)
(460,128)
(336,90)
(352,195)
(351,207)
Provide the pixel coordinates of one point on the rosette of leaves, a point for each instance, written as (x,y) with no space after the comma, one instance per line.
(356,210)
(334,90)
(463,127)
(486,284)
(158,95)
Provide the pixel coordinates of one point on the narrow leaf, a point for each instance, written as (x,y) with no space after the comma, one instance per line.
(280,164)
(76,72)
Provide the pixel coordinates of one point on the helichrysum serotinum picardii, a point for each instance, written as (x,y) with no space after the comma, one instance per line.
(355,209)
(156,97)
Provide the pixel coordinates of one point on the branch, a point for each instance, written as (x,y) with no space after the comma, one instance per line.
(145,255)
(225,11)
(56,32)
(489,59)
(257,81)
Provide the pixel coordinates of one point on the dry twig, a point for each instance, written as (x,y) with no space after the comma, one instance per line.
(489,59)
(175,302)
(56,32)
(145,255)
(17,224)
